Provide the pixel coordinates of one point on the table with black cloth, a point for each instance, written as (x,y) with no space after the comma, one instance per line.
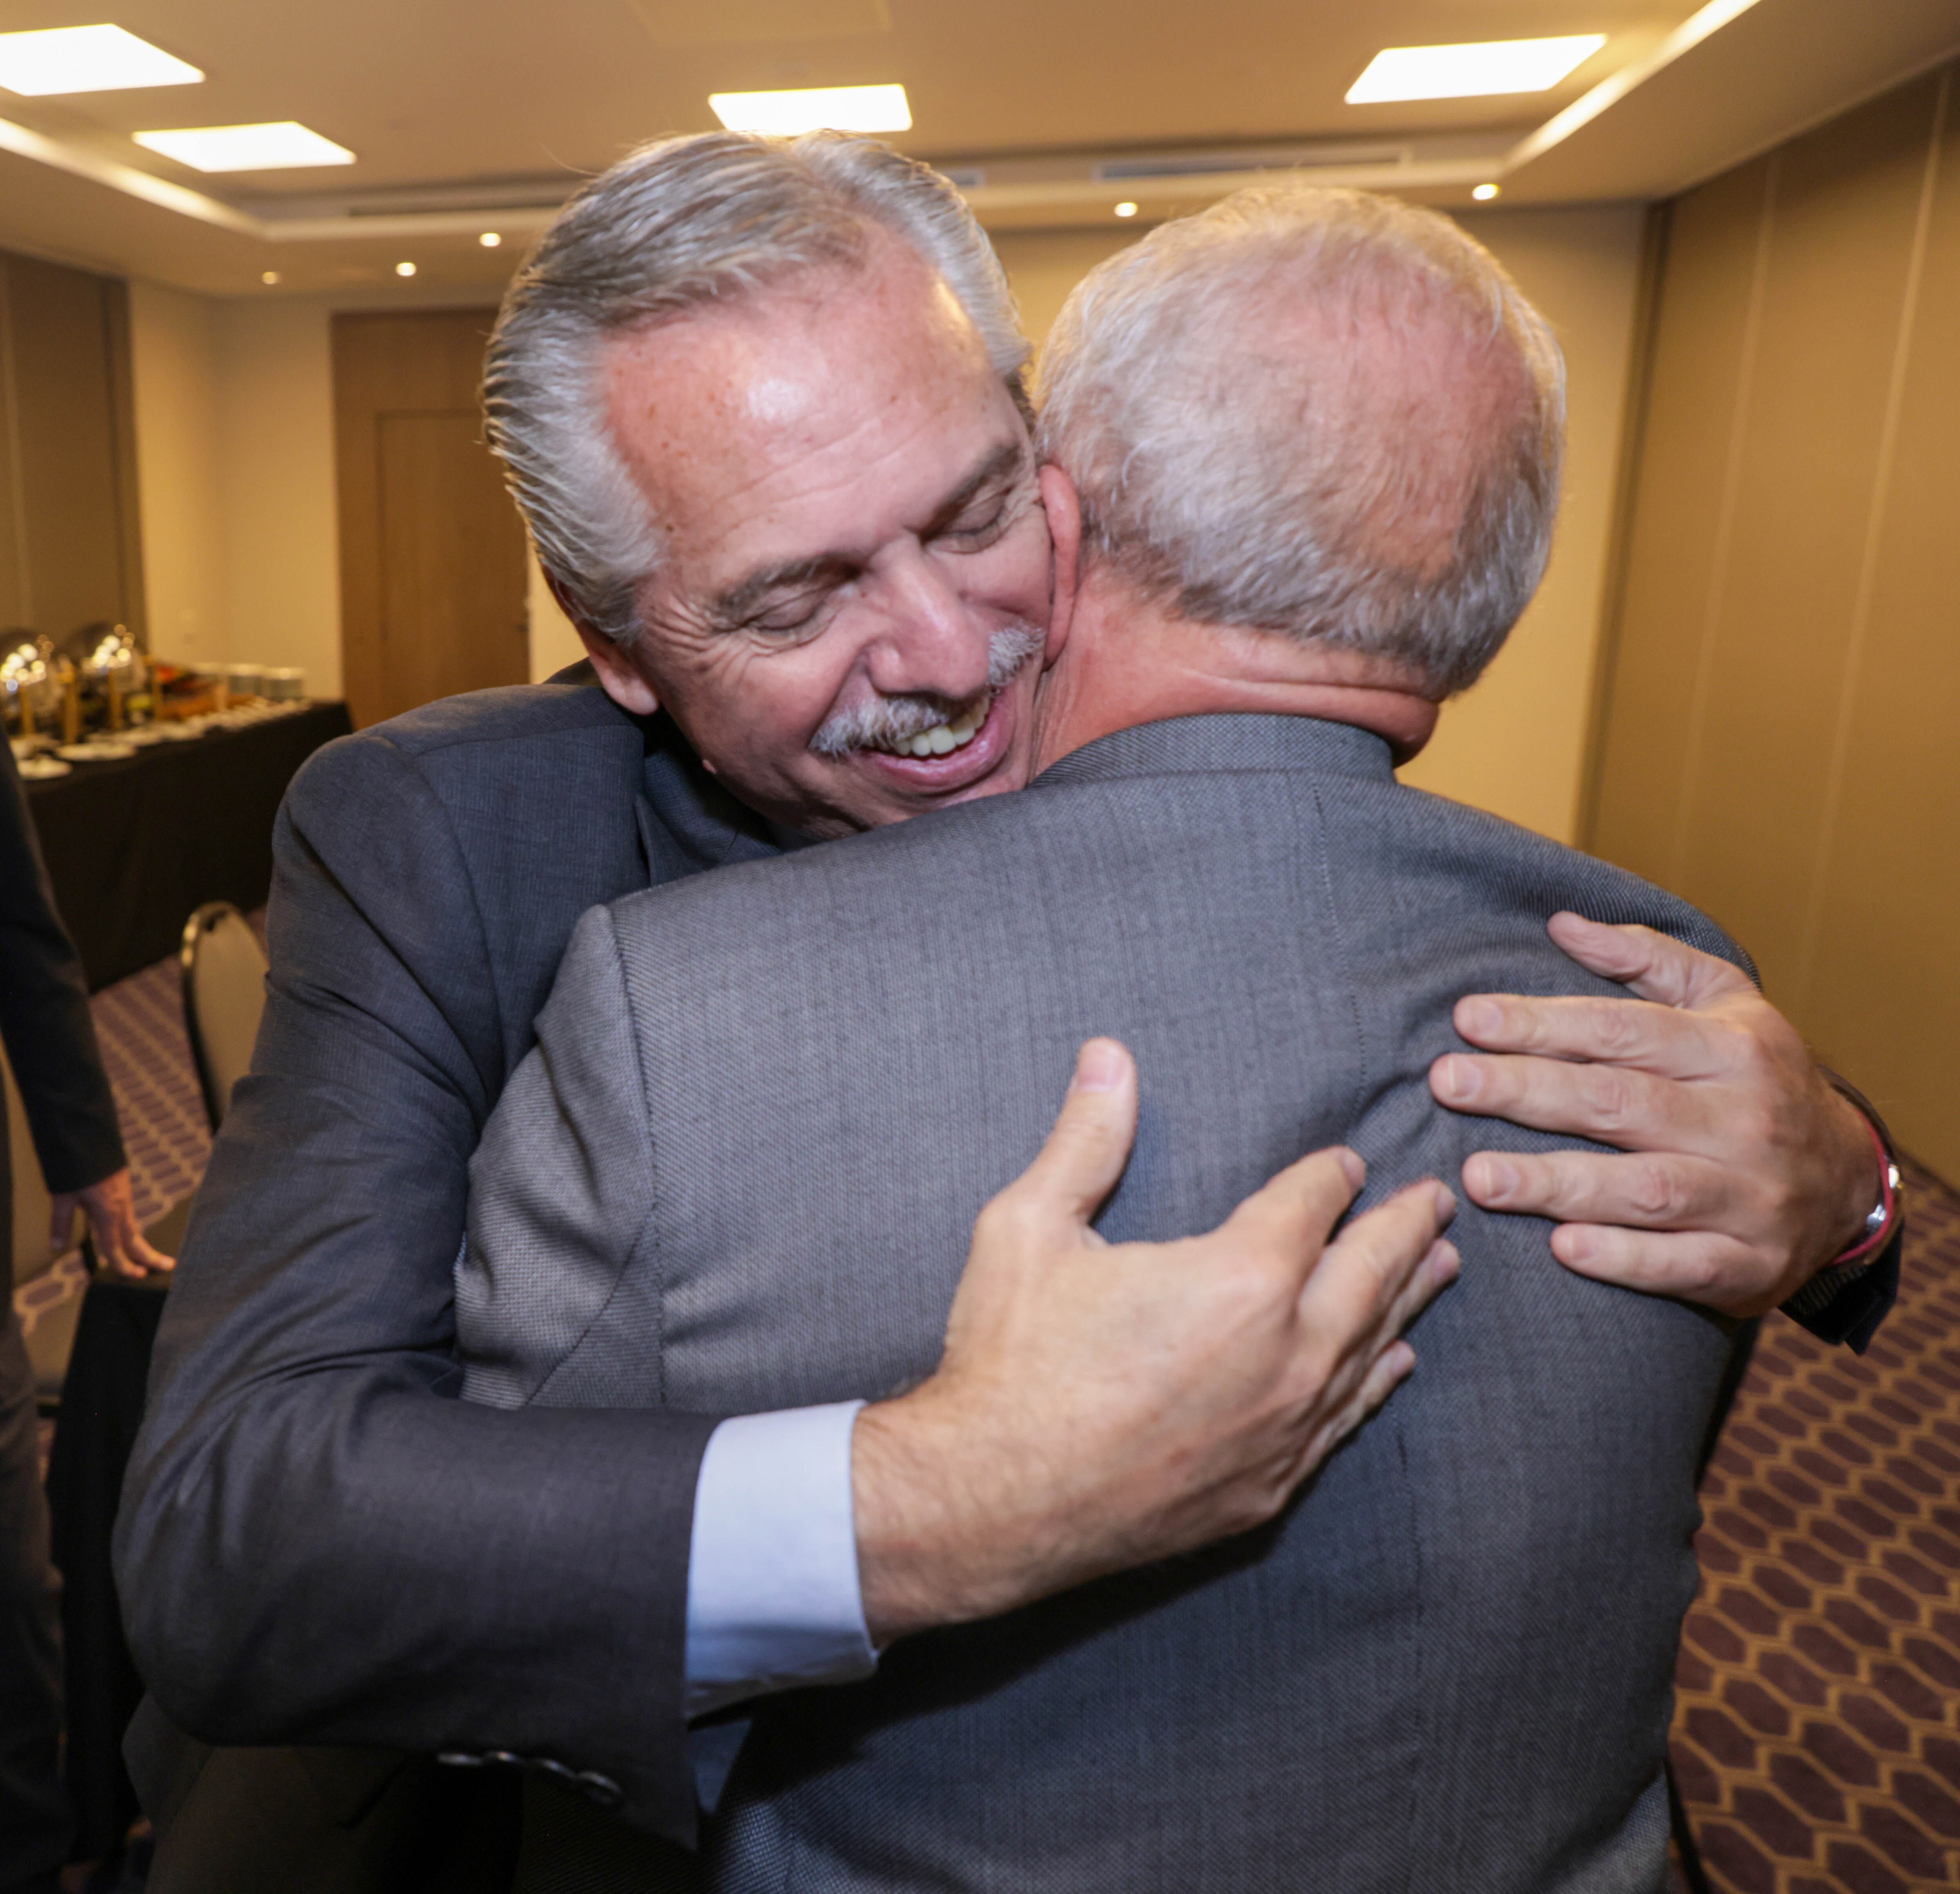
(134,847)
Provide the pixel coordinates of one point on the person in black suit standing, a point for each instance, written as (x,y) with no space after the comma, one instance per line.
(50,1040)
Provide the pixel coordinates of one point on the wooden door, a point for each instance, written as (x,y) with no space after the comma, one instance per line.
(432,576)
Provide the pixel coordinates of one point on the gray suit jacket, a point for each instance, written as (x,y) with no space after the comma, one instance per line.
(740,1172)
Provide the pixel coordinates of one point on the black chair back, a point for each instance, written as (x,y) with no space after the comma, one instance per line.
(223,969)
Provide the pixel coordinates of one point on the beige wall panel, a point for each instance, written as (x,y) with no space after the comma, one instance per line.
(1882,997)
(1846,199)
(174,347)
(276,488)
(1043,266)
(1700,346)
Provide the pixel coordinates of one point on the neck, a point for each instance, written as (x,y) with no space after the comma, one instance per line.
(1127,661)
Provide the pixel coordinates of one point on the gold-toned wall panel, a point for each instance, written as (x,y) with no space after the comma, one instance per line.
(1882,993)
(1682,479)
(1843,212)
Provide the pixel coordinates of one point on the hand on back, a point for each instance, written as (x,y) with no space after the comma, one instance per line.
(1744,1172)
(1099,1406)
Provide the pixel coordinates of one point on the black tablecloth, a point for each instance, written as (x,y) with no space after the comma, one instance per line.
(133,848)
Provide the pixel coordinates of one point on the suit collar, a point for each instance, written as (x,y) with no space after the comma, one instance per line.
(1210,744)
(688,822)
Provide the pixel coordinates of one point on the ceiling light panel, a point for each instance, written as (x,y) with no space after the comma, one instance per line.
(285,146)
(1476,70)
(827,108)
(86,59)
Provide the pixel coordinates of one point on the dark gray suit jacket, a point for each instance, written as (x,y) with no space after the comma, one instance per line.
(317,1545)
(739,1170)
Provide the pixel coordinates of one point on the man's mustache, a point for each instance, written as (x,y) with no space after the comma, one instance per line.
(886,721)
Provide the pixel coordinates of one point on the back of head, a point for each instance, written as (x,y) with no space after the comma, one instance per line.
(682,225)
(1319,412)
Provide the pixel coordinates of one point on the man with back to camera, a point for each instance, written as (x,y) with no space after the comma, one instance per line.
(1306,451)
(429,875)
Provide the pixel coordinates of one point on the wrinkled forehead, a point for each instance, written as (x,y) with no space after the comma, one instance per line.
(789,357)
(838,389)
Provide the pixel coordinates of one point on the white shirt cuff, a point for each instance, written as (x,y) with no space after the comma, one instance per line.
(773,1599)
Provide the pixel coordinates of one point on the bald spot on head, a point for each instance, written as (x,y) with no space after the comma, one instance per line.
(1412,403)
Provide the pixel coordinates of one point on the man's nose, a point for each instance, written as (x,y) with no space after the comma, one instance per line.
(930,641)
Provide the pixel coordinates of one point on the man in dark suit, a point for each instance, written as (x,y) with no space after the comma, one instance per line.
(1305,454)
(402,1569)
(50,1040)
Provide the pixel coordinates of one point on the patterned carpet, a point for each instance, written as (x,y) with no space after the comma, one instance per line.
(1817,1729)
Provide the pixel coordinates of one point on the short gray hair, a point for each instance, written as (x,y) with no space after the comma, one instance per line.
(1238,480)
(681,224)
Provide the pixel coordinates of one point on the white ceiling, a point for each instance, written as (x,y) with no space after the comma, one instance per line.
(468,114)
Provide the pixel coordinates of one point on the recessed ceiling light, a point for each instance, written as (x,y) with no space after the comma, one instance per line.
(269,275)
(1484,192)
(821,108)
(86,59)
(1475,71)
(285,146)
(490,240)
(1126,209)
(405,270)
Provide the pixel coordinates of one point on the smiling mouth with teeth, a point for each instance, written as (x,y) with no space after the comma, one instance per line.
(943,739)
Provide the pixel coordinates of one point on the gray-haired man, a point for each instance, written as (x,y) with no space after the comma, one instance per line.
(832,569)
(1305,455)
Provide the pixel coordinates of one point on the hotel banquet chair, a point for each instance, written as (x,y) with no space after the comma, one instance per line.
(224,994)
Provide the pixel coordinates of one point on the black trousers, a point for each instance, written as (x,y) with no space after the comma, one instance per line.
(34,1820)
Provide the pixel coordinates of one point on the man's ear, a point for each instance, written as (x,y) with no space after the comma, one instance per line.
(622,678)
(1063,505)
(626,683)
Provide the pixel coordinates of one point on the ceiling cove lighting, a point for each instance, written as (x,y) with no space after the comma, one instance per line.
(824,108)
(285,146)
(1476,70)
(86,59)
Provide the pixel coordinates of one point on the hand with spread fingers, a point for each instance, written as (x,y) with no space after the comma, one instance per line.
(1744,1172)
(1195,1384)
